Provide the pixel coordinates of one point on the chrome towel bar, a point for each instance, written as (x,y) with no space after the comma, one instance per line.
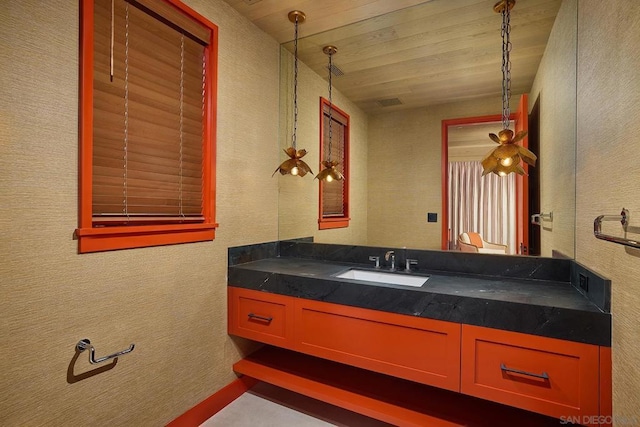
(623,218)
(85,344)
(537,219)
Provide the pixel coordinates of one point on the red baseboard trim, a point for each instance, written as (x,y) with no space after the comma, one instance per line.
(214,403)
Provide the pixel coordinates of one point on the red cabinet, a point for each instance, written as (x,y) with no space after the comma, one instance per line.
(413,348)
(562,379)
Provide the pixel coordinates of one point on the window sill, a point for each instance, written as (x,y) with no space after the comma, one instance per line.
(101,239)
(329,223)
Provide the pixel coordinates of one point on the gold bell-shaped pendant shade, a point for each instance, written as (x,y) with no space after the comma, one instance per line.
(507,156)
(330,173)
(294,165)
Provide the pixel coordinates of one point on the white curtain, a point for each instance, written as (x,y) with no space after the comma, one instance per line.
(485,205)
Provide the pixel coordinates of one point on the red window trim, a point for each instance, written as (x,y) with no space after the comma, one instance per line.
(96,239)
(325,223)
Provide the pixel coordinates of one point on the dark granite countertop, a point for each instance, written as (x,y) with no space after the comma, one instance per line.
(540,307)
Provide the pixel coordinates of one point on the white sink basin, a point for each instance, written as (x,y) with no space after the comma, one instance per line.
(382,277)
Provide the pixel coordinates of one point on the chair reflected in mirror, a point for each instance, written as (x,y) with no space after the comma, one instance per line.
(473,242)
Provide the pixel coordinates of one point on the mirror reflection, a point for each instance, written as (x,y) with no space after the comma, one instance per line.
(481,209)
(403,77)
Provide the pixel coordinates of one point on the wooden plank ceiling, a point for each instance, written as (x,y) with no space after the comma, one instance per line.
(418,52)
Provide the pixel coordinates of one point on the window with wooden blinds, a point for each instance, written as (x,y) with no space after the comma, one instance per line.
(334,195)
(148,76)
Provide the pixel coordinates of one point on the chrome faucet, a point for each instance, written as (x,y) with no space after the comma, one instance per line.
(392,255)
(376,259)
(409,263)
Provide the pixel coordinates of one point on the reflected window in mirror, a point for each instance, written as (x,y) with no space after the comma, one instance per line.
(334,195)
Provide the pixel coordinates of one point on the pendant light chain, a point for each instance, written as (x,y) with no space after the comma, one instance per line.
(506,65)
(295,86)
(112,41)
(330,173)
(330,107)
(181,213)
(204,121)
(294,165)
(506,158)
(125,202)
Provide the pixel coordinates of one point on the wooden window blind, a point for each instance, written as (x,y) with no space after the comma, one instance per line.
(148,127)
(334,195)
(151,116)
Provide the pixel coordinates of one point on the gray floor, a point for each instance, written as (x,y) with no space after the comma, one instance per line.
(269,406)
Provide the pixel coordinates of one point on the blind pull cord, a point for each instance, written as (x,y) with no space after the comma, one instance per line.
(125,202)
(112,40)
(181,114)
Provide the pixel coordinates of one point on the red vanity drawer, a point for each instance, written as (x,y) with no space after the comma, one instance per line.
(260,316)
(549,376)
(409,347)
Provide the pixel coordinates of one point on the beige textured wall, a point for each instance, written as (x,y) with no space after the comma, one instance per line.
(299,196)
(170,301)
(608,172)
(555,87)
(405,172)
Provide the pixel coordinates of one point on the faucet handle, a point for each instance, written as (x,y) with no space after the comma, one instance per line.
(391,255)
(409,263)
(376,259)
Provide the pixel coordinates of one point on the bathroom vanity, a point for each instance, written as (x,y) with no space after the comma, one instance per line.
(511,330)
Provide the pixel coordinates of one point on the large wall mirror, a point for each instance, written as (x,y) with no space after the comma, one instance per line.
(400,75)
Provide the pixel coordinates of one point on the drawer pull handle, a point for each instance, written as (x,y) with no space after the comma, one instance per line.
(543,375)
(255,316)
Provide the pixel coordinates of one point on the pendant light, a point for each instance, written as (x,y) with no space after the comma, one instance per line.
(506,158)
(330,173)
(295,165)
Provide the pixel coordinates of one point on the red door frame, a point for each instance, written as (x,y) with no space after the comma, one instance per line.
(522,183)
